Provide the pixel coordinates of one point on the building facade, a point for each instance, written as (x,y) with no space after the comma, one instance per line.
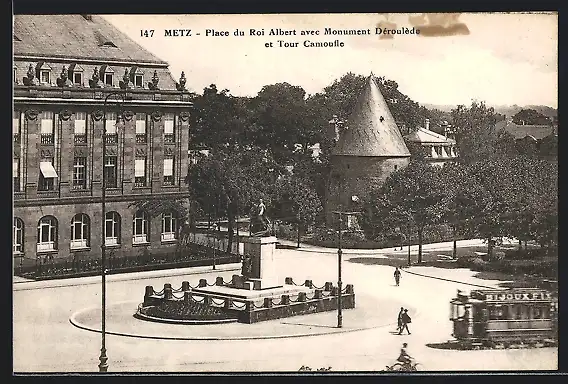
(433,147)
(369,148)
(65,66)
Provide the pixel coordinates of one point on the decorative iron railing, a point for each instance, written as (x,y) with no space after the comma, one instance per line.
(46,138)
(49,267)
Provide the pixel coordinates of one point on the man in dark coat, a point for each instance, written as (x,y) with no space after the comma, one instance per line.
(399,327)
(405,321)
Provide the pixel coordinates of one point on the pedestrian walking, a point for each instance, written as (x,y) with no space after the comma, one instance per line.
(399,327)
(397,276)
(405,321)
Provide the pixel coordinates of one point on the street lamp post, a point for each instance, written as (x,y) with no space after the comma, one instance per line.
(339,254)
(103,365)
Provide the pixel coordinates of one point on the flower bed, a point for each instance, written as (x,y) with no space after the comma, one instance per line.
(184,310)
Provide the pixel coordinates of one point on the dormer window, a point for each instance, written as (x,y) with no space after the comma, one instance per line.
(75,74)
(104,41)
(108,79)
(139,81)
(107,75)
(78,78)
(45,76)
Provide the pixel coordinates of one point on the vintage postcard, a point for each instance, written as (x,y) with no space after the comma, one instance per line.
(267,192)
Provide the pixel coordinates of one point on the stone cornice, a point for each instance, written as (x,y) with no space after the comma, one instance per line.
(97,199)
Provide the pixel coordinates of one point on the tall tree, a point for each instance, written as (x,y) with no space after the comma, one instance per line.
(219,119)
(414,193)
(227,183)
(297,200)
(475,131)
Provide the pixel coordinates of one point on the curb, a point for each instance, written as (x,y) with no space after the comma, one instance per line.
(20,286)
(372,252)
(453,281)
(75,323)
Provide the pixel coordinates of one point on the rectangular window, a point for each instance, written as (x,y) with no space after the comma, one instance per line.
(112,229)
(169,227)
(16,127)
(80,173)
(169,128)
(46,128)
(16,174)
(15,75)
(139,81)
(111,135)
(80,128)
(108,79)
(110,172)
(77,78)
(44,77)
(169,171)
(140,228)
(140,172)
(141,128)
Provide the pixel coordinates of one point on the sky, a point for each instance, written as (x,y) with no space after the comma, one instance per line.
(505,59)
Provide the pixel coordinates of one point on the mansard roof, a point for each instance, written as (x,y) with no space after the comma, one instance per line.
(76,37)
(371,129)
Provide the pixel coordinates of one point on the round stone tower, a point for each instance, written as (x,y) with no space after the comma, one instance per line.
(369,149)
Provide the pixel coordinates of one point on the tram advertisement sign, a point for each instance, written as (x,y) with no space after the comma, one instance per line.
(517,296)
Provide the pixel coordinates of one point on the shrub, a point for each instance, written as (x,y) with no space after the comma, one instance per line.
(286,231)
(525,254)
(478,264)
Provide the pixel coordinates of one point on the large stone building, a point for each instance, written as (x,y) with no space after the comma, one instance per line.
(369,148)
(64,68)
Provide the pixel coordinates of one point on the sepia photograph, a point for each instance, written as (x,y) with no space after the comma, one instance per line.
(264,193)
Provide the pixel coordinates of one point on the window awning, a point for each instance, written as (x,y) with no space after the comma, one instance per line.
(47,169)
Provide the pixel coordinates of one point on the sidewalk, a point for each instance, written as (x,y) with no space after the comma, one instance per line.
(382,251)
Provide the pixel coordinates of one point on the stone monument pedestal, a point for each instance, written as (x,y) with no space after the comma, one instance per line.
(261,251)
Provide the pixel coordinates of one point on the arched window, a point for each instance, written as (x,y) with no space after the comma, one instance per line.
(169,226)
(141,228)
(18,235)
(80,231)
(112,228)
(47,234)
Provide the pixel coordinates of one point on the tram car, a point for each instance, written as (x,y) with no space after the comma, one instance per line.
(489,318)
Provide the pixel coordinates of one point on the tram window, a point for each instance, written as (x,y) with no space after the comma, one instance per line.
(461,311)
(497,313)
(537,313)
(520,311)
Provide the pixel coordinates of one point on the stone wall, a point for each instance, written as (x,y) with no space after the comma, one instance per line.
(357,176)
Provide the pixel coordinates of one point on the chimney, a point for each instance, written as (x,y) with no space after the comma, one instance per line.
(427,124)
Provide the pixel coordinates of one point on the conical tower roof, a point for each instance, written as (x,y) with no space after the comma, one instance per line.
(371,129)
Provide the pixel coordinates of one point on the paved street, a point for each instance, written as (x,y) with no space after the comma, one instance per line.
(46,341)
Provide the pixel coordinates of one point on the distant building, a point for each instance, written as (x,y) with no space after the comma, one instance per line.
(540,140)
(368,149)
(64,67)
(433,147)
